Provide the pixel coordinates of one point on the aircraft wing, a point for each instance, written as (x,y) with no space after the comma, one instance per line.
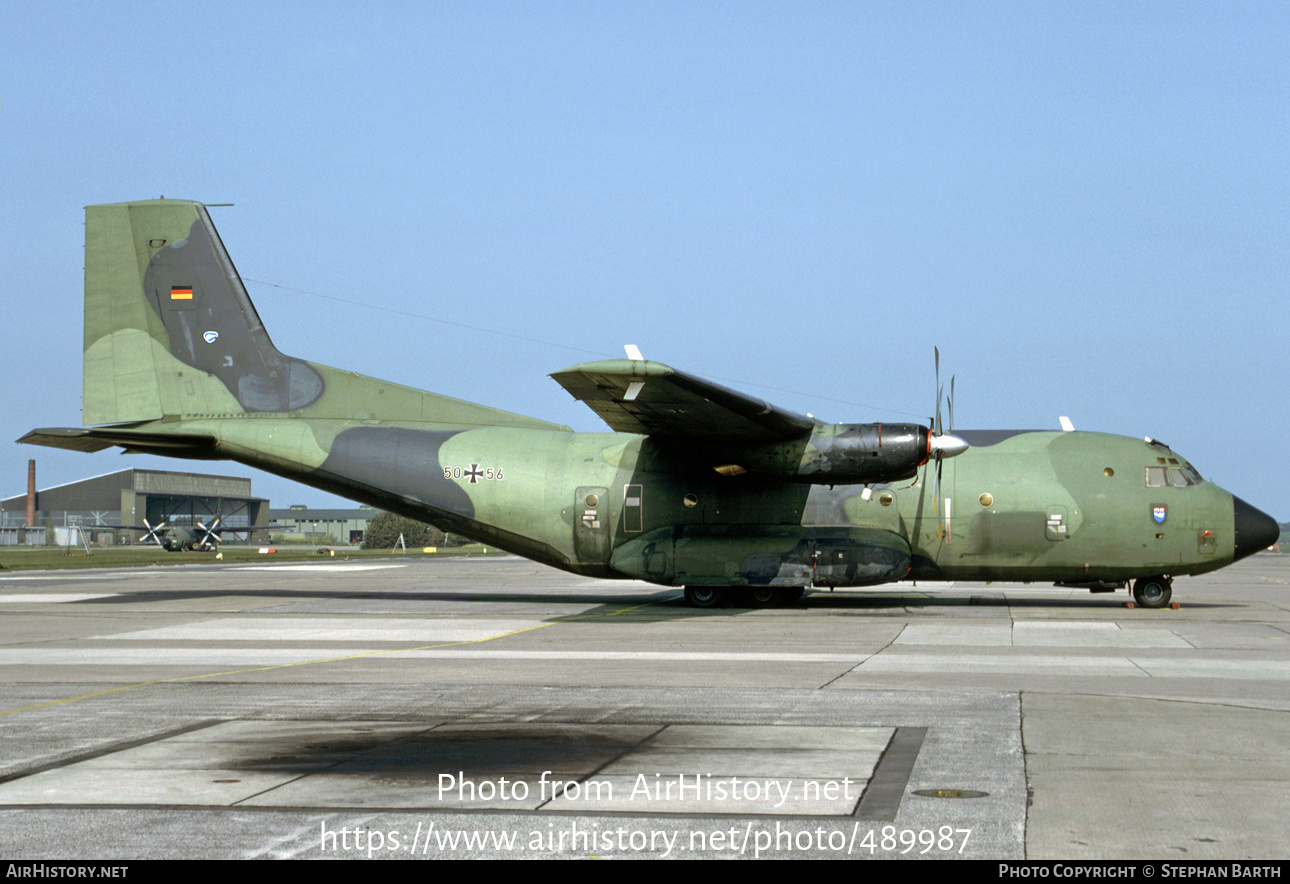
(638,396)
(97,438)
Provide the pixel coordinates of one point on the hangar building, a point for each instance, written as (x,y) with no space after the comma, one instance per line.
(108,506)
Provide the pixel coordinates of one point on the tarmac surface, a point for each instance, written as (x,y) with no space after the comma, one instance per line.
(492,707)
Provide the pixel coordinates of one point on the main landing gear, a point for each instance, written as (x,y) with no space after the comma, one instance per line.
(1153,592)
(705,596)
(742,596)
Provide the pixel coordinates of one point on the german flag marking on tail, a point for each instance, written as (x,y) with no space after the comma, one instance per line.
(181,293)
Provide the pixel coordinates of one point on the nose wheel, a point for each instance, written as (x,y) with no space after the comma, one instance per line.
(1152,592)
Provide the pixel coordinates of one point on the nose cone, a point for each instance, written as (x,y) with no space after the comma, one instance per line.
(1255,529)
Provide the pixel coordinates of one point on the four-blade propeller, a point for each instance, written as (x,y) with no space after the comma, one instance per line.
(940,445)
(209,534)
(151,534)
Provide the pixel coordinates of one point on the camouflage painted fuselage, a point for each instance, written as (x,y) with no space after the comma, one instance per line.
(718,490)
(1024,506)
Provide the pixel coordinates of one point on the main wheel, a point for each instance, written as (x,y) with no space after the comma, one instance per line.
(705,596)
(762,596)
(1152,592)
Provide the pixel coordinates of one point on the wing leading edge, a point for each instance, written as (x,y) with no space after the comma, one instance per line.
(639,396)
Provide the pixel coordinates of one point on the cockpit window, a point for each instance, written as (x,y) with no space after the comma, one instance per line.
(1176,476)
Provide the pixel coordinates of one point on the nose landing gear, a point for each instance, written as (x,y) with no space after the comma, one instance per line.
(1152,592)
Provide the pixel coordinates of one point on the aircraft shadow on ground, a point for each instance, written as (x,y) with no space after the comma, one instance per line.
(651,603)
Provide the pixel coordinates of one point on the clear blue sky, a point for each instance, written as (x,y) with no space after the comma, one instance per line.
(1084,205)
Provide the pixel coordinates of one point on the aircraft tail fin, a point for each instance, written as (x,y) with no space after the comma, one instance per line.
(171,334)
(169,327)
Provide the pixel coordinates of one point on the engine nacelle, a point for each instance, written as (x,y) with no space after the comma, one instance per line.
(848,454)
(853,454)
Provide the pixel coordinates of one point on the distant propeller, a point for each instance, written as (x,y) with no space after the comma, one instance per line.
(209,533)
(151,534)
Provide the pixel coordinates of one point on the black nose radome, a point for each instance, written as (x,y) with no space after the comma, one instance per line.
(1255,529)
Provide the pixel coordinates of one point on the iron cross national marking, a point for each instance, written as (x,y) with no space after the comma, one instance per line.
(475,473)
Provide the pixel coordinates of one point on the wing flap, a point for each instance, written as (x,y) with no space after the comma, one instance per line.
(638,396)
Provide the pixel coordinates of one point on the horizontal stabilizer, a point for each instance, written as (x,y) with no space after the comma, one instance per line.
(638,396)
(98,438)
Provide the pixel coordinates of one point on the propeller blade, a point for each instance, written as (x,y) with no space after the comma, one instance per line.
(936,425)
(152,534)
(936,487)
(209,533)
(949,403)
(936,500)
(940,446)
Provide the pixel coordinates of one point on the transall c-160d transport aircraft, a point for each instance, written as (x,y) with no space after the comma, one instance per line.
(697,486)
